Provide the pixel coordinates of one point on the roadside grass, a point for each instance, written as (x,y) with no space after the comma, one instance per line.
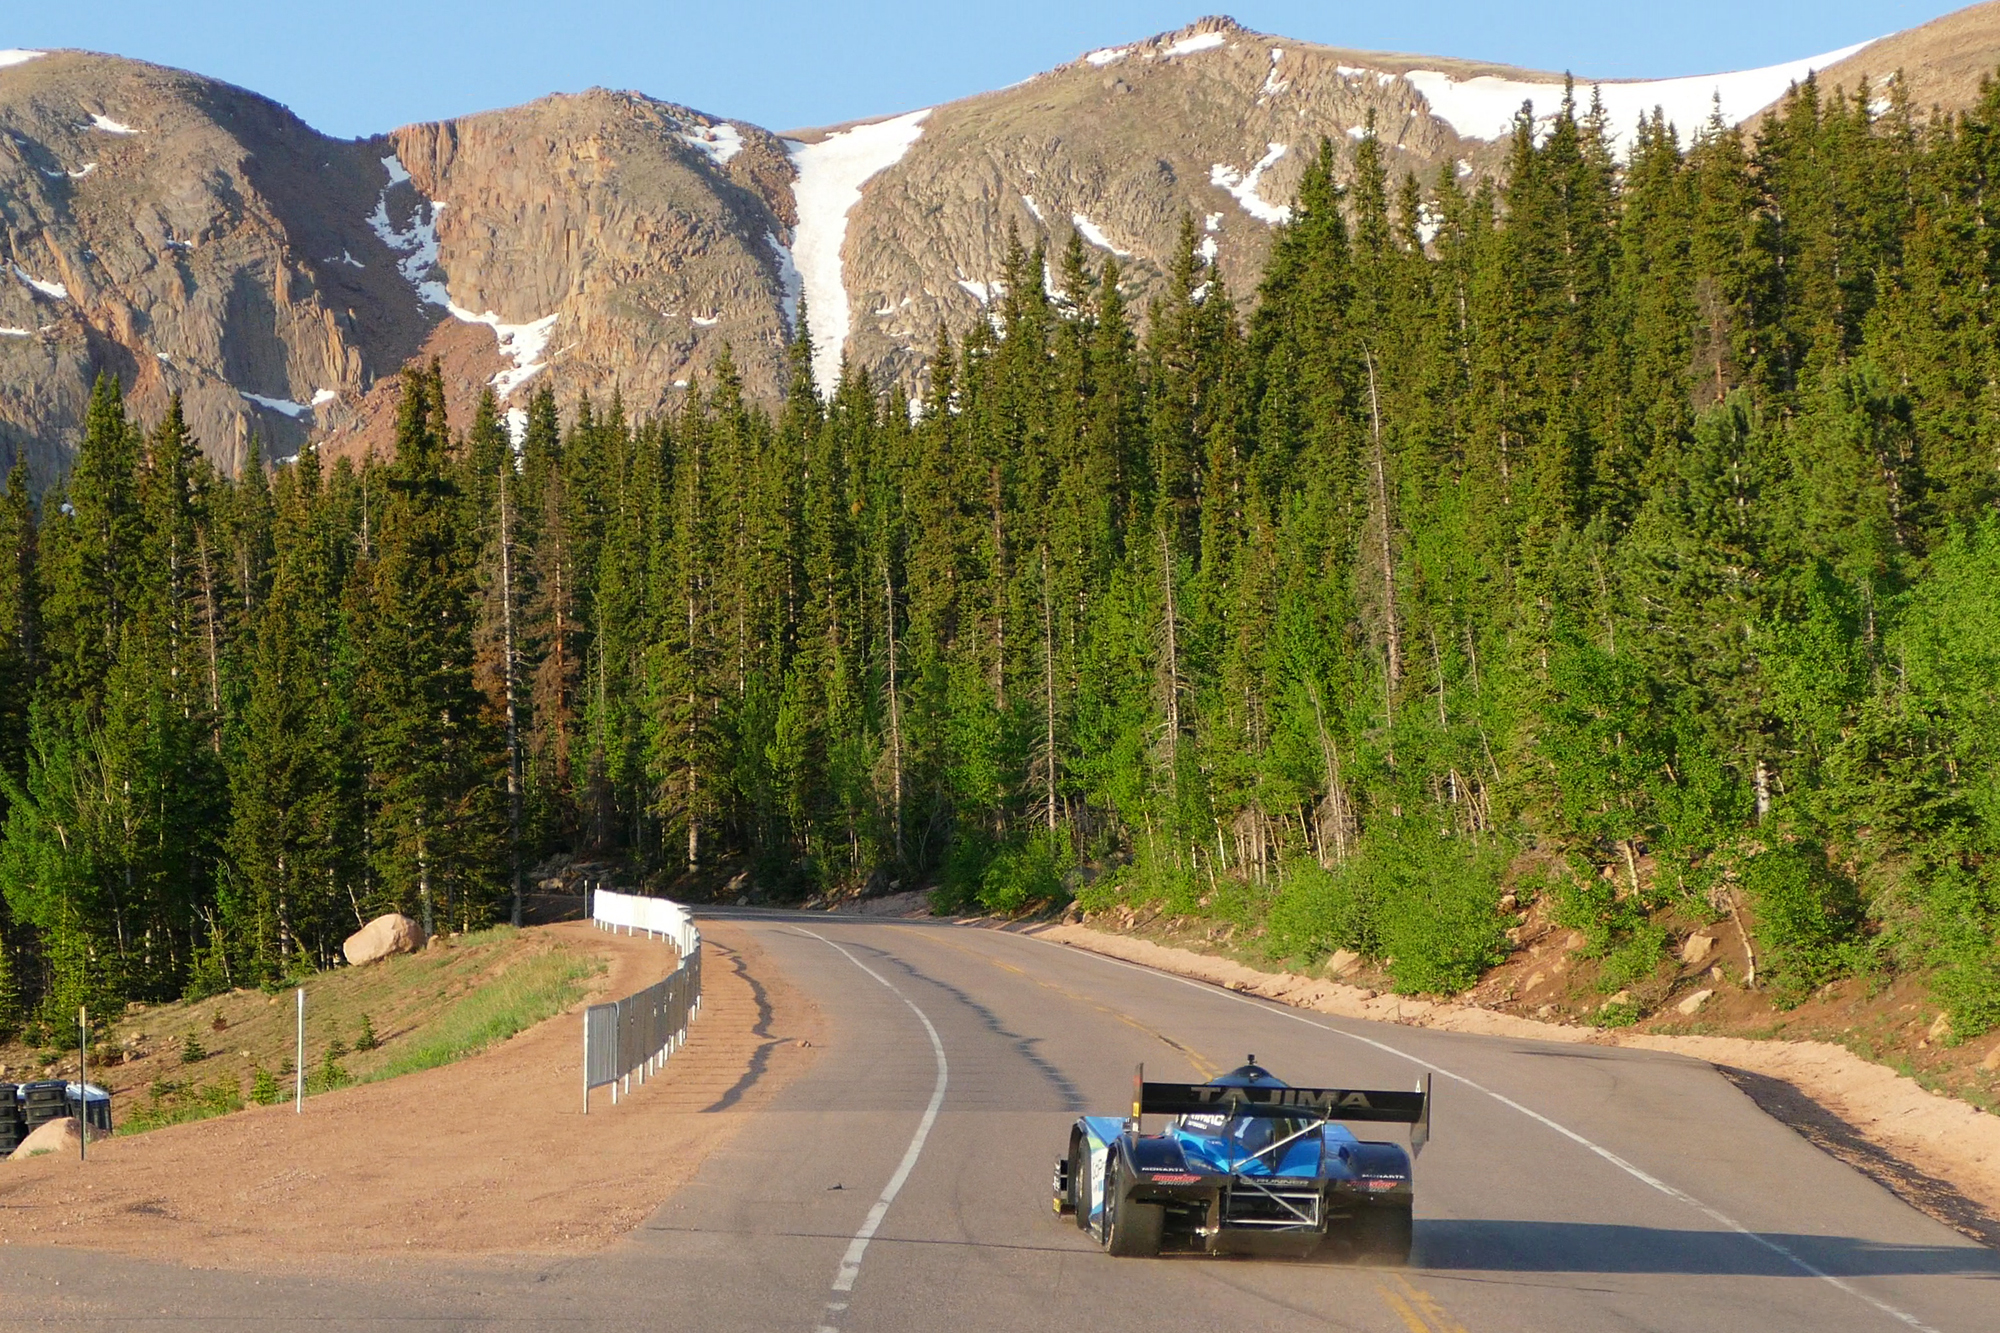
(170,1064)
(525,994)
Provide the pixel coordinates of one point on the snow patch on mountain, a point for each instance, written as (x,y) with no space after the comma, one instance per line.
(10,332)
(1187,46)
(721,141)
(827,187)
(321,397)
(790,284)
(1242,186)
(1093,233)
(1484,107)
(1034,207)
(415,245)
(17,56)
(416,250)
(100,121)
(523,344)
(1273,85)
(283,406)
(42,285)
(1110,55)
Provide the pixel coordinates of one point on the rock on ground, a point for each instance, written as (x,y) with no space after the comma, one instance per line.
(390,934)
(56,1136)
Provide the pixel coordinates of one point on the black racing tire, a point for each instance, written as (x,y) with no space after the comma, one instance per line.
(1382,1235)
(1131,1230)
(1079,1182)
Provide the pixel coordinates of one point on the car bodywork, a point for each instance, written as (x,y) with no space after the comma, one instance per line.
(1246,1164)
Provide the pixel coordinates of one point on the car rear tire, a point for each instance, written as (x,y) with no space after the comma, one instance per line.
(1079,1182)
(1382,1235)
(1131,1230)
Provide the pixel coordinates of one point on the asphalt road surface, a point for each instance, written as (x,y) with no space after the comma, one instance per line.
(902,1183)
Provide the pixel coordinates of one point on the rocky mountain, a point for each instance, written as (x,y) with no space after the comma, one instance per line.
(191,236)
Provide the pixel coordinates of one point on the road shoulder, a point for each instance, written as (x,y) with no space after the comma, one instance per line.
(489,1156)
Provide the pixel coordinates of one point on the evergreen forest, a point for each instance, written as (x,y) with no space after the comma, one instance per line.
(1619,532)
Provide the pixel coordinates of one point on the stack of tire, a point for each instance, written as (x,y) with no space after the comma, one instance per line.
(42,1102)
(12,1131)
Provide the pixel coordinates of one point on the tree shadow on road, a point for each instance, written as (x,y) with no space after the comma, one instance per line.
(1493,1245)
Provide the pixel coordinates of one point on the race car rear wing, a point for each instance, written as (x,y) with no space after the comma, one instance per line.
(1403,1108)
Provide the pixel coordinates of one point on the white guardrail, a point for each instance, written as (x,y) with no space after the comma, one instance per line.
(639,1032)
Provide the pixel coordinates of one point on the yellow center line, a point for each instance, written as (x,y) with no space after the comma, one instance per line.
(1428,1303)
(1403,1311)
(1204,1067)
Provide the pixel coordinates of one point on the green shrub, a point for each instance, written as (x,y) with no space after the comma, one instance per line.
(1422,900)
(1030,872)
(1615,929)
(331,1073)
(1635,958)
(367,1041)
(1958,939)
(1317,911)
(192,1051)
(264,1087)
(1808,919)
(171,1102)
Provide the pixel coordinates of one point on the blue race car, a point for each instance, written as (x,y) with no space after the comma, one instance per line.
(1247,1164)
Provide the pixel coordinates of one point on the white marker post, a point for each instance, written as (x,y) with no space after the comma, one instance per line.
(299,1064)
(82,1082)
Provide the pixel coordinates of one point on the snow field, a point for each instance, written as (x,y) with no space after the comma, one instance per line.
(1187,46)
(1484,107)
(16,56)
(1242,186)
(110,126)
(826,189)
(721,141)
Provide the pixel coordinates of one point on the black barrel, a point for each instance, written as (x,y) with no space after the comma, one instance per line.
(11,1129)
(42,1102)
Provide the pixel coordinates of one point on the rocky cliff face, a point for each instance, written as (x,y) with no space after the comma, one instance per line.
(189,236)
(186,236)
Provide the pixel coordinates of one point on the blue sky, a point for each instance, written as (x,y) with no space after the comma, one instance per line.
(363,66)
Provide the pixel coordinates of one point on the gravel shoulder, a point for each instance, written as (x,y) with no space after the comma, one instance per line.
(489,1156)
(1940,1155)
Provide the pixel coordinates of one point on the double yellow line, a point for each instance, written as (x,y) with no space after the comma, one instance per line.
(1417,1308)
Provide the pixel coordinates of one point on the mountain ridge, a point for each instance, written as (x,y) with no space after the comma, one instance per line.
(610,242)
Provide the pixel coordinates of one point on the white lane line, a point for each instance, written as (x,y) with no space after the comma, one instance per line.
(1636,1172)
(850,1263)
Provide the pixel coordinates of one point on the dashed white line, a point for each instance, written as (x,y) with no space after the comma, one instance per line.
(850,1263)
(1636,1172)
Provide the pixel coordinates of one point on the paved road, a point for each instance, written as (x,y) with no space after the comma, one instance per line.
(1564,1189)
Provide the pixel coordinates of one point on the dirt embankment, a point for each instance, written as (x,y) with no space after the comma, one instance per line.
(1940,1154)
(491,1155)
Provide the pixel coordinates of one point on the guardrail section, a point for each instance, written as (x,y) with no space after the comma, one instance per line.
(638,1033)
